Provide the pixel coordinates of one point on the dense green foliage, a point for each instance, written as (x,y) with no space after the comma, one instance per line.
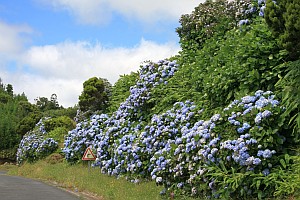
(120,90)
(62,121)
(43,103)
(28,122)
(18,117)
(211,18)
(200,123)
(8,121)
(11,111)
(289,85)
(283,18)
(95,95)
(70,112)
(47,135)
(244,59)
(228,52)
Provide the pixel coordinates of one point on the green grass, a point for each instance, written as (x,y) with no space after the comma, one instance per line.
(77,177)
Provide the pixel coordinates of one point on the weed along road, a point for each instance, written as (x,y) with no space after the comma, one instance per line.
(19,188)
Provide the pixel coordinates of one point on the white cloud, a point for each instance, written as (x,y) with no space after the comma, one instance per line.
(81,60)
(100,11)
(13,38)
(62,68)
(154,10)
(87,11)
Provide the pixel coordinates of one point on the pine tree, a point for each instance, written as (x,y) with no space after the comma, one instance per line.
(283,18)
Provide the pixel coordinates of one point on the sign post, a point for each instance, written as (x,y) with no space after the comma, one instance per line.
(88,155)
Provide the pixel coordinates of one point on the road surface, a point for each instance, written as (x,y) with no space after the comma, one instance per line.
(19,188)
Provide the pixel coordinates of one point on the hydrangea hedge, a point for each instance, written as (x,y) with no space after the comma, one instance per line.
(240,152)
(35,144)
(126,119)
(228,155)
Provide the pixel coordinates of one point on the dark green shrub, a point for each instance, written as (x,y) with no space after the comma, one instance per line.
(120,90)
(58,134)
(283,18)
(289,86)
(62,121)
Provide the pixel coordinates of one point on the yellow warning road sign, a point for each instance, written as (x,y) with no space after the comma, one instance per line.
(88,154)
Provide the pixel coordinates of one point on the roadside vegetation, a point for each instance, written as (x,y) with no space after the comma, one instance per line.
(78,179)
(218,121)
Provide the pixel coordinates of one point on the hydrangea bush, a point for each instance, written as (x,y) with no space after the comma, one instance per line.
(35,144)
(82,136)
(256,8)
(226,155)
(127,119)
(244,139)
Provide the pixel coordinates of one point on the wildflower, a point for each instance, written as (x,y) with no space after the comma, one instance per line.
(211,184)
(258,93)
(258,118)
(256,161)
(194,190)
(267,153)
(158,179)
(243,22)
(261,12)
(215,117)
(248,99)
(180,185)
(266,114)
(163,192)
(266,172)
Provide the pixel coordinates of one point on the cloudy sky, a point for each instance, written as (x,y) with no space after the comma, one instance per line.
(53,46)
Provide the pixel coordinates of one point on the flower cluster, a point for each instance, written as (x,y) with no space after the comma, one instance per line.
(110,133)
(177,148)
(82,136)
(244,22)
(163,131)
(35,144)
(257,8)
(256,105)
(229,138)
(262,5)
(178,163)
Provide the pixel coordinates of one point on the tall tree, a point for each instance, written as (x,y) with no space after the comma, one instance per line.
(41,103)
(95,95)
(1,85)
(9,89)
(44,104)
(283,18)
(53,104)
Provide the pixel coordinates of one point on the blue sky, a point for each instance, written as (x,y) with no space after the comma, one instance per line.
(53,46)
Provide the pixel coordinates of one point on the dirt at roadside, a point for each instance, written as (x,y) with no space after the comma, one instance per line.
(4,161)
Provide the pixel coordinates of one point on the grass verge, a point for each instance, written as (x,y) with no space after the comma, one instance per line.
(77,178)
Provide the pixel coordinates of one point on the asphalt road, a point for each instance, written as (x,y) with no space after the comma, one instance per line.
(19,188)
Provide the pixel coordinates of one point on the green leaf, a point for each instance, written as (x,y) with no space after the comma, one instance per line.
(287,158)
(223,167)
(282,162)
(279,141)
(259,194)
(258,184)
(271,57)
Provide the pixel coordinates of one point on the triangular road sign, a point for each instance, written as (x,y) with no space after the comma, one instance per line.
(88,154)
